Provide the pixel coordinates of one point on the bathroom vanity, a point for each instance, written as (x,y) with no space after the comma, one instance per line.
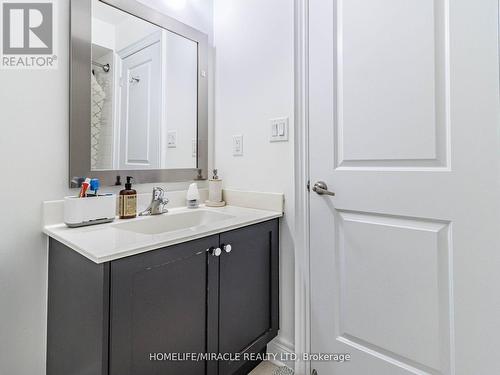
(208,288)
(144,296)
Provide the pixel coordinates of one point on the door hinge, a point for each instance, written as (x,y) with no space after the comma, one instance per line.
(308,185)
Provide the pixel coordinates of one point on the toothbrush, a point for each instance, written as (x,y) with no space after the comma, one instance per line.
(95,185)
(85,186)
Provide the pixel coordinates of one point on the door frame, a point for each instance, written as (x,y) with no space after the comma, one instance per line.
(301,177)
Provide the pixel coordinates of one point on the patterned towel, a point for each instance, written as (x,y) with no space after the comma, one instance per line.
(97,104)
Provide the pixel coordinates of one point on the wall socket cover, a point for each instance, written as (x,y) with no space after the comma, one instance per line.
(279,130)
(237,145)
(172,139)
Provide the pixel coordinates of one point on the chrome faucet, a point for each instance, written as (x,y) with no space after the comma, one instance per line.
(158,203)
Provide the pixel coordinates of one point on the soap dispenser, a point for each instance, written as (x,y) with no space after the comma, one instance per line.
(215,192)
(193,196)
(128,201)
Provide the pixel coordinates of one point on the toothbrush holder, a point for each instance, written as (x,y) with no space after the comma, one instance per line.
(80,212)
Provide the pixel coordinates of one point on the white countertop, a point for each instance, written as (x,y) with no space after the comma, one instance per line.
(107,242)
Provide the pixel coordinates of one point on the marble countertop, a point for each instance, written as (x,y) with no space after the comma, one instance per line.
(107,242)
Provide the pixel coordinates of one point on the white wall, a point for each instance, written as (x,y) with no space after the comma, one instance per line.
(254,83)
(34,151)
(181,98)
(131,31)
(103,34)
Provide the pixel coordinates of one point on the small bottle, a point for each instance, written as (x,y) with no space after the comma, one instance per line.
(128,201)
(193,196)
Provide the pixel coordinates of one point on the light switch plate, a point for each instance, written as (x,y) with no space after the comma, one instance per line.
(278,130)
(172,139)
(237,145)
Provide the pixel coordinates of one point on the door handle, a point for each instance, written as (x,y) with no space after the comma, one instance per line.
(135,79)
(321,188)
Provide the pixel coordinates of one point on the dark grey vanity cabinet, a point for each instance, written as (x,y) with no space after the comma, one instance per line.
(159,305)
(123,317)
(248,292)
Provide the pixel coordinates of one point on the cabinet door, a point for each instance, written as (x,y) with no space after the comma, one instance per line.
(159,305)
(248,291)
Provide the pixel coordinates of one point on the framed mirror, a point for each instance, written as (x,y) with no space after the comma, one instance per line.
(138,94)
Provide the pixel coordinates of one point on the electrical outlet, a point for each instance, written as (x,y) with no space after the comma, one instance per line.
(237,145)
(172,139)
(279,130)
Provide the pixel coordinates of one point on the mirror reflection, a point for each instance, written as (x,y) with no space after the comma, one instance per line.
(144,94)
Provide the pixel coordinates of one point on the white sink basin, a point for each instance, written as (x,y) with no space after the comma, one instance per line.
(172,221)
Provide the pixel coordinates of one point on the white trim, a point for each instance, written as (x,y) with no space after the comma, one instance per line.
(284,350)
(302,272)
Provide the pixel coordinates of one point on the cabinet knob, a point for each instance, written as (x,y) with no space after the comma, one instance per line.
(227,248)
(215,251)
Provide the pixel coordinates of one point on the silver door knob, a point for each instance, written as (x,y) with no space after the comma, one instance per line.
(227,248)
(215,251)
(321,188)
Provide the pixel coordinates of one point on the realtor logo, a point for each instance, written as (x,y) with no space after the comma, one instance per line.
(27,28)
(28,35)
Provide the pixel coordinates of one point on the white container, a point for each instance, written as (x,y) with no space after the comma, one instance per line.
(215,191)
(215,194)
(79,212)
(193,196)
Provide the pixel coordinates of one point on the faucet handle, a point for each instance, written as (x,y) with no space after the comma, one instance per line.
(158,193)
(158,203)
(159,196)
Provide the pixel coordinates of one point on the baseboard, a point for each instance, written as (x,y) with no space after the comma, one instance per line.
(284,353)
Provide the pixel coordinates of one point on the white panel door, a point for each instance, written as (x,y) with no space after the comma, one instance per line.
(140,120)
(404,128)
